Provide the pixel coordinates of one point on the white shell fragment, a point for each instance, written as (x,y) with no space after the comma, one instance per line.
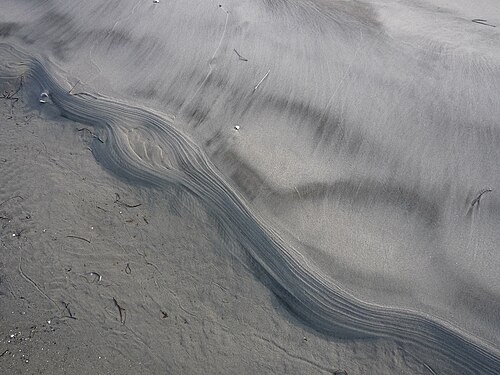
(43,97)
(237,127)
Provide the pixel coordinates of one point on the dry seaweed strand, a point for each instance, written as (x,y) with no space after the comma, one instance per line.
(121,203)
(121,311)
(239,56)
(482,22)
(477,200)
(78,237)
(34,284)
(70,314)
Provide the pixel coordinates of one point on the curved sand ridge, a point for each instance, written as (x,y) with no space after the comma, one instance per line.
(143,146)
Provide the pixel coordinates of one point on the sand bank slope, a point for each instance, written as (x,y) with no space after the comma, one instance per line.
(143,147)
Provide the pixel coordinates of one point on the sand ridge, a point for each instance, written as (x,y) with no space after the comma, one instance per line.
(365,133)
(311,295)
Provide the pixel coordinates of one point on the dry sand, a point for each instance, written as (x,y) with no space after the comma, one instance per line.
(342,211)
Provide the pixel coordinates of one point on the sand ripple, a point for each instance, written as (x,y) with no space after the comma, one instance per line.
(143,147)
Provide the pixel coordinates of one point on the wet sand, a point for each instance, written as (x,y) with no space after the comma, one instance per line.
(193,302)
(343,207)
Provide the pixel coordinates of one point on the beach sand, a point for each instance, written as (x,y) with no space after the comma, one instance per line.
(192,304)
(336,229)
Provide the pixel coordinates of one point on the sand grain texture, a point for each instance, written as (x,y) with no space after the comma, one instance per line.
(345,205)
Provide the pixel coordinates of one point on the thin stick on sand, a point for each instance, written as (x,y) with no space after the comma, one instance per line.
(121,311)
(482,22)
(262,80)
(70,314)
(479,196)
(239,56)
(35,285)
(121,203)
(78,237)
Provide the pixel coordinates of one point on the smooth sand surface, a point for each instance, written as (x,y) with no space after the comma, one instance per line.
(345,207)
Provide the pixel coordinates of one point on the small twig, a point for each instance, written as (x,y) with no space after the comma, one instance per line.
(121,310)
(429,368)
(220,286)
(80,238)
(35,285)
(165,314)
(482,22)
(4,352)
(129,205)
(478,198)
(154,265)
(118,201)
(239,56)
(66,307)
(262,80)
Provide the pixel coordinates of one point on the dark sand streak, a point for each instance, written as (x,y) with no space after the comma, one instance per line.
(308,293)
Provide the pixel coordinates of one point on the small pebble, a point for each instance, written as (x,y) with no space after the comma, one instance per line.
(43,97)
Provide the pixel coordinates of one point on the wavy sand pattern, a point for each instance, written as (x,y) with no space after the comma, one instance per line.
(143,146)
